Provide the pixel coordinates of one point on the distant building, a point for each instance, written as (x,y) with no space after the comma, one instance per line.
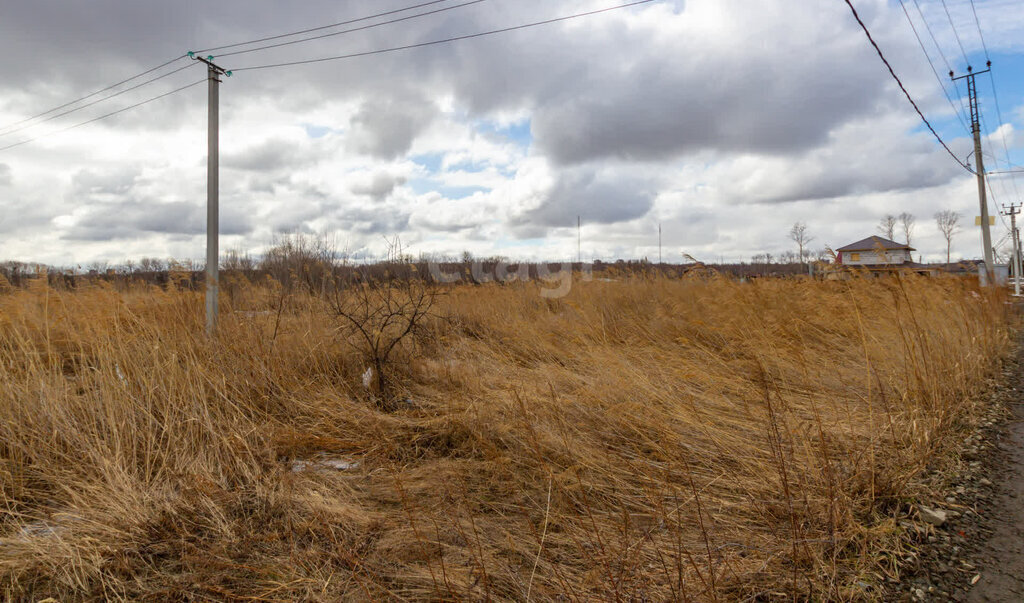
(874,251)
(878,256)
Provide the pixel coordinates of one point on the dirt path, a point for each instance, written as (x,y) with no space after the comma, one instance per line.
(1001,556)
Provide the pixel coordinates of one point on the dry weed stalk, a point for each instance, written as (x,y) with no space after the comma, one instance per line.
(647,438)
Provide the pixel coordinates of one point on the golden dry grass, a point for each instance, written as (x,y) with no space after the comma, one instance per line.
(642,439)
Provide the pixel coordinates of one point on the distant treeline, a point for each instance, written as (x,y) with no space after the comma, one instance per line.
(312,264)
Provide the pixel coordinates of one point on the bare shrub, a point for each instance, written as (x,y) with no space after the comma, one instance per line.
(301,260)
(378,318)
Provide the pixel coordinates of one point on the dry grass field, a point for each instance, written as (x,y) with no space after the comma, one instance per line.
(643,439)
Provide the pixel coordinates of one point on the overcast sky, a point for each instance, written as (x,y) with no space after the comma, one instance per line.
(724,121)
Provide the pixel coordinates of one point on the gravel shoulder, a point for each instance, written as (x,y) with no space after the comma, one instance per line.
(1002,553)
(969,544)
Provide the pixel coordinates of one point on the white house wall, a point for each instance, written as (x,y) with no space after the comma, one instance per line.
(874,258)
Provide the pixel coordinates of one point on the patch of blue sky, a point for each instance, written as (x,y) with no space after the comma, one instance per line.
(1010,88)
(315,131)
(517,132)
(468,165)
(1010,92)
(423,186)
(431,162)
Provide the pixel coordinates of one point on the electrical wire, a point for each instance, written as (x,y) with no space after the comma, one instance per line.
(932,65)
(354,29)
(88,96)
(13,127)
(904,89)
(988,182)
(111,114)
(1002,134)
(995,98)
(938,47)
(980,35)
(956,34)
(322,27)
(87,105)
(445,40)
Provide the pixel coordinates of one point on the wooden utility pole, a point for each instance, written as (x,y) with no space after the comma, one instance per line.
(212,191)
(986,235)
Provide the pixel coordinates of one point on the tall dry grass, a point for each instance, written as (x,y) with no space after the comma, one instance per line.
(643,439)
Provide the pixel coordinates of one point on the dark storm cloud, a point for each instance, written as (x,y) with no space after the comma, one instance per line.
(853,163)
(386,128)
(668,95)
(131,219)
(602,199)
(653,88)
(20,215)
(98,185)
(383,220)
(269,156)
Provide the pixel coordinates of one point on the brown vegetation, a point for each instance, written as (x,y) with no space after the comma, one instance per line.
(647,438)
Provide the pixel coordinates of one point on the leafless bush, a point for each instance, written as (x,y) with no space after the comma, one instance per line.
(378,318)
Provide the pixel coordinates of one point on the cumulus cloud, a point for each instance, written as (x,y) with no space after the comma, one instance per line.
(379,187)
(601,198)
(270,155)
(672,112)
(131,219)
(386,128)
(95,185)
(373,221)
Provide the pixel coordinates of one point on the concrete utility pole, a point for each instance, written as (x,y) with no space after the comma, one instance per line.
(986,235)
(1012,211)
(659,242)
(212,191)
(579,241)
(1020,262)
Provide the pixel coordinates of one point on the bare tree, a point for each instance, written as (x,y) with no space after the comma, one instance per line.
(948,222)
(299,259)
(887,227)
(799,236)
(907,221)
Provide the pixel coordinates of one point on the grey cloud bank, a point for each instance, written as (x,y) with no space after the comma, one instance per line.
(637,117)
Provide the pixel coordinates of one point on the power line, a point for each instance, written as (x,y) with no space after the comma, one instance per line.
(7,129)
(904,89)
(447,40)
(97,101)
(101,91)
(932,65)
(955,33)
(980,35)
(354,29)
(111,114)
(322,27)
(995,98)
(942,54)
